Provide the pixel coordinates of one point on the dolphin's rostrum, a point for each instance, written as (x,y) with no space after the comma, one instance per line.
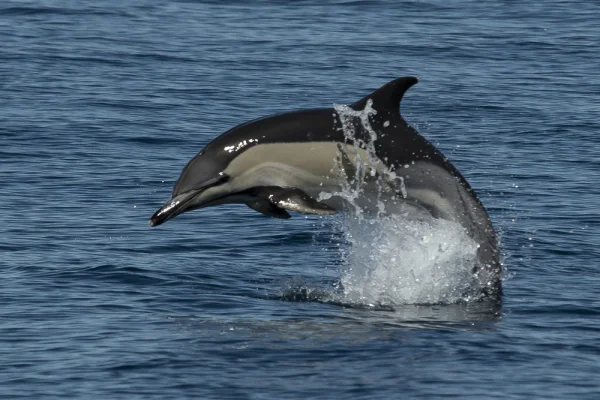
(302,161)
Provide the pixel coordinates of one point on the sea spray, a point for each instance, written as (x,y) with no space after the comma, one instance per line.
(394,258)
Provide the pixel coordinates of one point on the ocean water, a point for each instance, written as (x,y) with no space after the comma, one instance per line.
(103,103)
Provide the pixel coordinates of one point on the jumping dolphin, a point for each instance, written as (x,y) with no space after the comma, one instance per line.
(306,161)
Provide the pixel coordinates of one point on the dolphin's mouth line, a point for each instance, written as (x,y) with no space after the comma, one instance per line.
(174,207)
(178,204)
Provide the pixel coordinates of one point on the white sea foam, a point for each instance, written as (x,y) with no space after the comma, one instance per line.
(394,260)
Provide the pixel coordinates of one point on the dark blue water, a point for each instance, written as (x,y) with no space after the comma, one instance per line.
(103,103)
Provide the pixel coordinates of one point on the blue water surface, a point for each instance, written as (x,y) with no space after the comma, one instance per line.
(102,104)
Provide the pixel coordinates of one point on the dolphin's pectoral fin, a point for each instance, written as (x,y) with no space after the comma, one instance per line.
(297,200)
(292,199)
(269,209)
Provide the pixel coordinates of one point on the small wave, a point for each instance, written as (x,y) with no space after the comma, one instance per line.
(412,314)
(111,61)
(307,293)
(163,57)
(26,11)
(15,11)
(153,140)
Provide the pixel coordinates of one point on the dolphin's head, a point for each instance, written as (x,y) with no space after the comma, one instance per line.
(202,183)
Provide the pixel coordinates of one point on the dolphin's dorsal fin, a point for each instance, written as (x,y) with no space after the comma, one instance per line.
(389,96)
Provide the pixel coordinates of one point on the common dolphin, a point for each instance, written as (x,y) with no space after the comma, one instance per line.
(306,160)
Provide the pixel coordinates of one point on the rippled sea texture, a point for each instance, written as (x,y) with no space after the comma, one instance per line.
(101,105)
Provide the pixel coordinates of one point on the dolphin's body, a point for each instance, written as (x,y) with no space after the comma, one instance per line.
(309,161)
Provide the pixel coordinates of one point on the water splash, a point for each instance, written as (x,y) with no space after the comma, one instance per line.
(394,258)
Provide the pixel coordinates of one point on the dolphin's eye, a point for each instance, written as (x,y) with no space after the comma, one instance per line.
(223,177)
